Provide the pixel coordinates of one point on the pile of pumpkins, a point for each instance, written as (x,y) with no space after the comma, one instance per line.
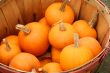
(72,43)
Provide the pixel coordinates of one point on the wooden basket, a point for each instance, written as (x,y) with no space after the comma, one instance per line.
(13,12)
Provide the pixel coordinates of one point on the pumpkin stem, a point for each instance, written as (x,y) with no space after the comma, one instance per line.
(7,44)
(92,22)
(63,5)
(41,70)
(62,26)
(76,40)
(33,71)
(23,28)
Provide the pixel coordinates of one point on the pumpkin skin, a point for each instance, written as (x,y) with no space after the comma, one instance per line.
(84,29)
(12,39)
(6,54)
(36,42)
(92,44)
(60,38)
(52,67)
(44,22)
(53,14)
(55,53)
(25,62)
(72,57)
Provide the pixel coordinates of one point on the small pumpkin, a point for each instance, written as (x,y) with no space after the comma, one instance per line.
(25,62)
(52,67)
(61,35)
(74,55)
(92,44)
(33,38)
(58,11)
(12,39)
(85,28)
(55,53)
(8,49)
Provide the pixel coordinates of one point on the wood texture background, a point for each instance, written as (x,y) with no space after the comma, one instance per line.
(105,66)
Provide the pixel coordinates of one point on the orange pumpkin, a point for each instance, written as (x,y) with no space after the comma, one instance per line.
(55,55)
(8,49)
(33,38)
(92,44)
(25,62)
(74,55)
(12,39)
(84,29)
(52,67)
(58,11)
(61,35)
(44,22)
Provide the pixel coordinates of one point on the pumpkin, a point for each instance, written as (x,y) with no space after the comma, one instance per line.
(74,55)
(12,39)
(61,35)
(55,53)
(58,11)
(84,29)
(92,44)
(25,62)
(8,49)
(33,38)
(44,22)
(52,67)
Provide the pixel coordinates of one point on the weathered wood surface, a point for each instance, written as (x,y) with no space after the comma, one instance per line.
(105,66)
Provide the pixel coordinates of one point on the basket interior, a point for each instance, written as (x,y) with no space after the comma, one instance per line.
(14,12)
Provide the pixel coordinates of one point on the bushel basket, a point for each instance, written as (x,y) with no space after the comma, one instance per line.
(14,12)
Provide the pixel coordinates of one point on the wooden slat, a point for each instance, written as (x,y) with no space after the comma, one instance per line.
(76,5)
(20,4)
(16,12)
(28,11)
(3,26)
(102,28)
(87,11)
(12,16)
(37,10)
(9,16)
(45,4)
(105,41)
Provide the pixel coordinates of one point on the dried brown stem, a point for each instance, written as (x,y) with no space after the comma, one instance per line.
(62,26)
(63,5)
(40,70)
(23,28)
(7,44)
(76,40)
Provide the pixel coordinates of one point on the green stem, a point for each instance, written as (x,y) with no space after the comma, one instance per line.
(92,22)
(7,44)
(76,40)
(23,28)
(63,5)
